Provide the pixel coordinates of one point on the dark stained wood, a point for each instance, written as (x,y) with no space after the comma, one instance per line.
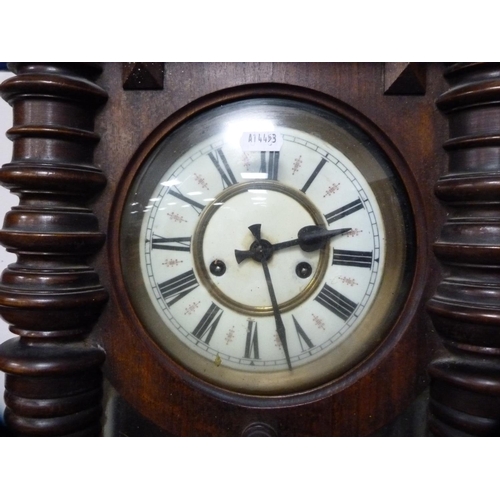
(54,294)
(405,78)
(143,76)
(380,388)
(51,296)
(56,426)
(258,429)
(465,389)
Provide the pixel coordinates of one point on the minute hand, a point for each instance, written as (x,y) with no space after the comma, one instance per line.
(280,327)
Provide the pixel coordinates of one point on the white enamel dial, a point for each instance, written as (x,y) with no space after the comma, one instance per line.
(261,269)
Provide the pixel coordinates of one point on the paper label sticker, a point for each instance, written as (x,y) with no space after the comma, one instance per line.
(261,141)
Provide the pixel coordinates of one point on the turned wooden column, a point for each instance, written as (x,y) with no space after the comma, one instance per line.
(51,296)
(465,380)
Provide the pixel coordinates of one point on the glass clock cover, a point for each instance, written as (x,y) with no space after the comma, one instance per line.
(264,246)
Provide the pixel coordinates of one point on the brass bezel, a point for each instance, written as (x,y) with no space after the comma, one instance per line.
(204,275)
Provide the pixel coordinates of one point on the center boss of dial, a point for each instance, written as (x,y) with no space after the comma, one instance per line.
(224,231)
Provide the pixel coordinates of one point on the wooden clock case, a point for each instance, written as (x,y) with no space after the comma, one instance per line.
(79,132)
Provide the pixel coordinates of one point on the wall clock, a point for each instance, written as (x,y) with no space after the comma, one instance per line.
(242,249)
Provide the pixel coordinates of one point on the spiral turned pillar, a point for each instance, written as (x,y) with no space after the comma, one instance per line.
(51,297)
(465,381)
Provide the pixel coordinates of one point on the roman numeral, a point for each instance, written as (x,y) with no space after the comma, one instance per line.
(269,164)
(313,175)
(302,335)
(182,244)
(178,287)
(344,211)
(335,302)
(207,325)
(177,194)
(252,341)
(352,258)
(219,160)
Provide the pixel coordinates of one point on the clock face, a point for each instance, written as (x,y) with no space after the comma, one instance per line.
(264,246)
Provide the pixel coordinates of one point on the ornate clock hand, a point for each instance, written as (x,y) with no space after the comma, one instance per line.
(280,327)
(313,238)
(259,250)
(263,254)
(309,239)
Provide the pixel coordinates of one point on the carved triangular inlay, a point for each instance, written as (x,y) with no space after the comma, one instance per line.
(143,76)
(405,79)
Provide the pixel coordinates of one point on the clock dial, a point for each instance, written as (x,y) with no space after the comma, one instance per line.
(263,245)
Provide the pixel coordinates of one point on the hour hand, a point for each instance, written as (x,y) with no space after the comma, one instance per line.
(241,255)
(309,239)
(312,238)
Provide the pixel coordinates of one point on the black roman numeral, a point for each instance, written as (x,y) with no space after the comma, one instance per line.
(207,325)
(252,341)
(352,258)
(177,194)
(178,287)
(336,302)
(314,175)
(302,336)
(344,211)
(219,160)
(182,244)
(269,164)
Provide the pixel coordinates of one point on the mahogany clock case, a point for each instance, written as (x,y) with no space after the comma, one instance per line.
(144,373)
(132,113)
